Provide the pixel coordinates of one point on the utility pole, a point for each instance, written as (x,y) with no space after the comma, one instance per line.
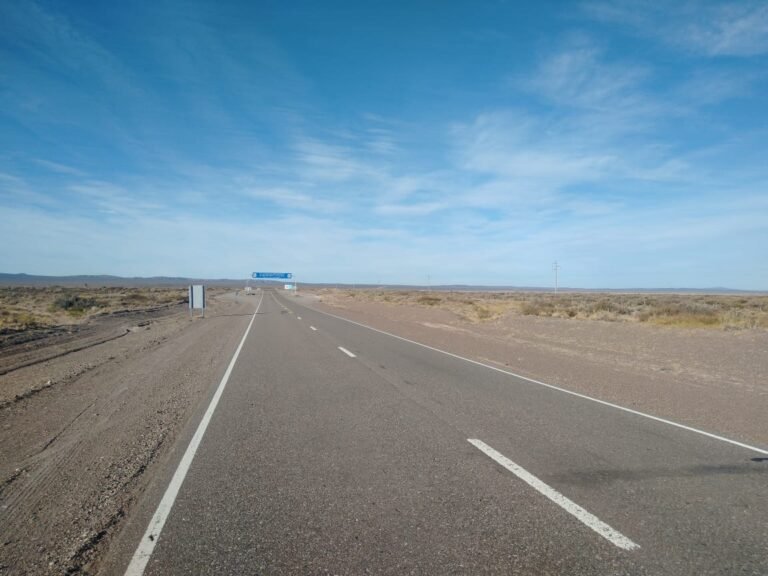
(555,268)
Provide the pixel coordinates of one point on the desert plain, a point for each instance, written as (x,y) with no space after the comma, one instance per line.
(101,386)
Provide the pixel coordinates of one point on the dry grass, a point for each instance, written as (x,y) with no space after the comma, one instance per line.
(22,308)
(681,310)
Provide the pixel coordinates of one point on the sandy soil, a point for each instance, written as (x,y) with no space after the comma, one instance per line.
(85,414)
(712,379)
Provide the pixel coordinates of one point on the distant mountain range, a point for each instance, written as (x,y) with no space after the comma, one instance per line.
(106,280)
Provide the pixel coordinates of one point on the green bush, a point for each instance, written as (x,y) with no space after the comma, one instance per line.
(73,303)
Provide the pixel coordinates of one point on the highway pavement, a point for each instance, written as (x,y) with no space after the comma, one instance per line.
(332,448)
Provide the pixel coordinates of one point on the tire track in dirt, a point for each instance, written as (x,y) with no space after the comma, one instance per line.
(76,457)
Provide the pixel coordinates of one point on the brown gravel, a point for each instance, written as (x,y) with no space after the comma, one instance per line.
(716,380)
(80,433)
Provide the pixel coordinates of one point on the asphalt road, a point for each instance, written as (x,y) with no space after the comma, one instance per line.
(337,449)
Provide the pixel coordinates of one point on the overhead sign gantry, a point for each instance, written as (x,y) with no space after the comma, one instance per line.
(277,275)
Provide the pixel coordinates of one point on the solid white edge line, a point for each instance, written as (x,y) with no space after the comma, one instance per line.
(553,387)
(590,520)
(149,540)
(347,352)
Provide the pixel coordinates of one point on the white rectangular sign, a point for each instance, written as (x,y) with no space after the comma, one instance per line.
(197,296)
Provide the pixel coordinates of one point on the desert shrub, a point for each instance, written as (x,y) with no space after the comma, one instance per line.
(27,320)
(73,303)
(19,321)
(682,313)
(529,309)
(135,298)
(604,305)
(483,313)
(537,308)
(429,300)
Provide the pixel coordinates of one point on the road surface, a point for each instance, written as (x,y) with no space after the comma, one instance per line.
(332,448)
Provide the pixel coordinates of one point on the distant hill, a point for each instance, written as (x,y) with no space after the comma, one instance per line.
(106,280)
(471,288)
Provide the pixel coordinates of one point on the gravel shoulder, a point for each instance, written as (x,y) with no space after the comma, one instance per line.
(82,431)
(716,380)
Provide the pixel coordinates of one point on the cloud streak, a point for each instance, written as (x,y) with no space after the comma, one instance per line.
(712,29)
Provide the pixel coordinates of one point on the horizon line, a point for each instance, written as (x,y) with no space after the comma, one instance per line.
(7,279)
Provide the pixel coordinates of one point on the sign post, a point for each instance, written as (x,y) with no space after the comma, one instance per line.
(197,299)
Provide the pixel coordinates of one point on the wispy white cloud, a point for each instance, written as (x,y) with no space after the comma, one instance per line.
(113,199)
(579,76)
(498,253)
(15,190)
(288,198)
(381,141)
(708,28)
(420,209)
(57,45)
(527,148)
(322,161)
(58,168)
(707,87)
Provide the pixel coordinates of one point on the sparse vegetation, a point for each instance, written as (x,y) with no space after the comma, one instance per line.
(429,300)
(74,304)
(680,310)
(23,308)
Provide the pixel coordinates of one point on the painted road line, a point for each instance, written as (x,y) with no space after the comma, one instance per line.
(149,540)
(564,390)
(313,328)
(347,352)
(590,520)
(298,317)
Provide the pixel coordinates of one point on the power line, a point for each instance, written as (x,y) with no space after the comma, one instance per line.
(556,267)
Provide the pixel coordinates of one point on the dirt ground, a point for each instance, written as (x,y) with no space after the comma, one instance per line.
(85,412)
(713,379)
(88,413)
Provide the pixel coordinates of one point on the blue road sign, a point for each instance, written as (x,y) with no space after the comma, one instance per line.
(280,275)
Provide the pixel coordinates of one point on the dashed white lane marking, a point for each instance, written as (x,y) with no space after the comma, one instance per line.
(590,520)
(347,352)
(313,328)
(149,540)
(559,389)
(298,317)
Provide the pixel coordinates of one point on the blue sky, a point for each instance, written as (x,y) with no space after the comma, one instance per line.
(385,142)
